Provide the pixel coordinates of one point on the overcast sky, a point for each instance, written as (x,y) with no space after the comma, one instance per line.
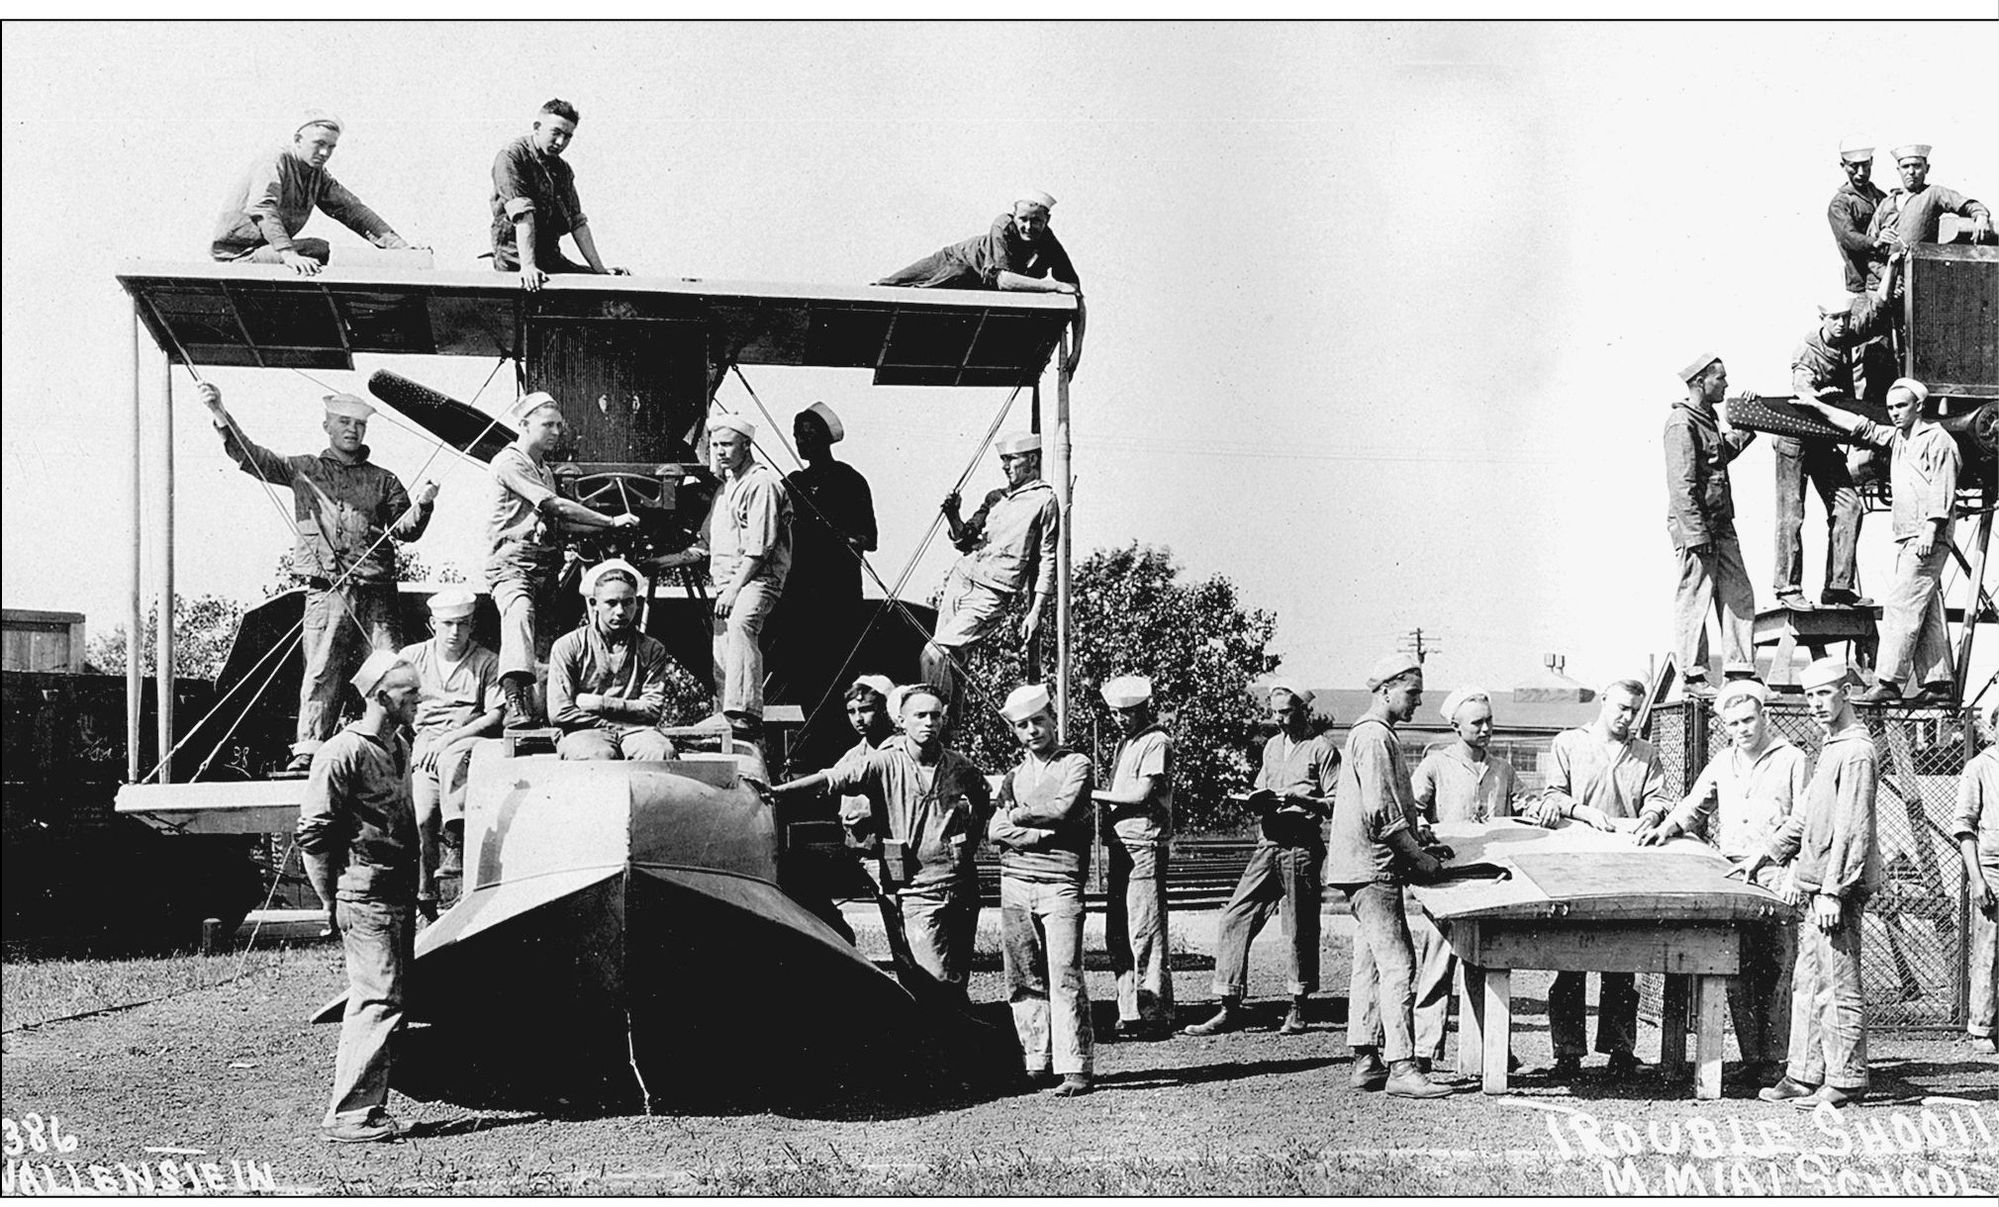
(1383,318)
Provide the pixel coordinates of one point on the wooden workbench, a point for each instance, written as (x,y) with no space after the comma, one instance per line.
(1582,900)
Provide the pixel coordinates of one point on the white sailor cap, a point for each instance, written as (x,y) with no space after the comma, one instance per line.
(453,603)
(347,406)
(1850,150)
(1127,691)
(1025,442)
(1394,666)
(1913,150)
(1024,702)
(1303,695)
(1737,689)
(1836,303)
(528,404)
(900,696)
(319,117)
(1697,366)
(835,430)
(881,685)
(374,670)
(1824,671)
(729,421)
(589,584)
(1458,699)
(1917,388)
(1034,197)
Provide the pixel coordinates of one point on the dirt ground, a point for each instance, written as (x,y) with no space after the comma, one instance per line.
(234,1079)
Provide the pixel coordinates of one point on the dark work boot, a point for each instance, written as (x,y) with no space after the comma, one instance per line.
(1368,1071)
(1405,1080)
(519,704)
(1228,1018)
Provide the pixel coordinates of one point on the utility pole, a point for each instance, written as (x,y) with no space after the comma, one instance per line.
(1419,643)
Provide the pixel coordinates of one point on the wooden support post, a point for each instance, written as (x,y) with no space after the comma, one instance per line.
(1497,1028)
(135,613)
(1974,601)
(1710,999)
(1471,1018)
(1064,484)
(163,674)
(1673,1023)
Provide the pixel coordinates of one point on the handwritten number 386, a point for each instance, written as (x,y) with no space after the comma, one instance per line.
(36,1134)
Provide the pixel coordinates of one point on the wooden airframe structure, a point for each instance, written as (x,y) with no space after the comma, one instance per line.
(659,347)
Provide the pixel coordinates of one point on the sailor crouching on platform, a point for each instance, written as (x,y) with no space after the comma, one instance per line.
(1602,772)
(348,510)
(607,679)
(1739,802)
(524,547)
(1700,520)
(1138,840)
(1924,466)
(1009,544)
(534,203)
(930,805)
(1294,787)
(1375,849)
(458,702)
(1041,824)
(1837,868)
(279,191)
(357,834)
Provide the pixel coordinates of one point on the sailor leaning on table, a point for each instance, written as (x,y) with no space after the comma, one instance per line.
(1739,803)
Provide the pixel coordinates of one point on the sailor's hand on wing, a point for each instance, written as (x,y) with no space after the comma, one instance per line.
(532,278)
(426,494)
(617,272)
(304,266)
(1592,816)
(1655,836)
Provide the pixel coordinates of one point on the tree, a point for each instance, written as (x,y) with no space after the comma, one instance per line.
(1132,614)
(204,627)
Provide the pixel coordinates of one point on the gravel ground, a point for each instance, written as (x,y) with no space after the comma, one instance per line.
(235,1073)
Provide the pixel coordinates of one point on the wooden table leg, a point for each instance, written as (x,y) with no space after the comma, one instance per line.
(1673,1023)
(1498,1027)
(1471,1019)
(1711,996)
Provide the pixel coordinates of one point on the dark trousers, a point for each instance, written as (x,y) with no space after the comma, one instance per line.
(1282,880)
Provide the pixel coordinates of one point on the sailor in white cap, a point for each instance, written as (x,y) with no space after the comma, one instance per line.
(1293,795)
(349,514)
(607,679)
(534,203)
(525,522)
(1975,826)
(1019,252)
(1852,211)
(1138,803)
(1747,792)
(748,541)
(929,807)
(833,527)
(357,835)
(1009,546)
(1824,366)
(270,203)
(1924,466)
(1835,863)
(1376,848)
(1041,825)
(1914,213)
(459,701)
(1700,520)
(1600,773)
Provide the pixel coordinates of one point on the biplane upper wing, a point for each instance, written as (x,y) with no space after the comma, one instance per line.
(267,316)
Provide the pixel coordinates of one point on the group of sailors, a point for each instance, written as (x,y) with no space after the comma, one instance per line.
(1844,372)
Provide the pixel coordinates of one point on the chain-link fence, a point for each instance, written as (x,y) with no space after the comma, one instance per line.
(1914,942)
